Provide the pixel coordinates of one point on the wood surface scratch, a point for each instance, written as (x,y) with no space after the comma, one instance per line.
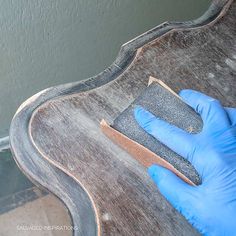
(56,138)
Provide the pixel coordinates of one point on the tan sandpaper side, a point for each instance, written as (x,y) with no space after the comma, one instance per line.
(139,152)
(155,80)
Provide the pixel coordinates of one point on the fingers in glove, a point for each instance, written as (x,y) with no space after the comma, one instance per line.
(173,137)
(210,109)
(181,195)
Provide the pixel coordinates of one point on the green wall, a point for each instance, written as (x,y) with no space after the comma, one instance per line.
(50,42)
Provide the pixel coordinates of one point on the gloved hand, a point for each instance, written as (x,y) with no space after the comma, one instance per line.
(211,206)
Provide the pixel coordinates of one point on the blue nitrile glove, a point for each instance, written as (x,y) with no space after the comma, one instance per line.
(211,206)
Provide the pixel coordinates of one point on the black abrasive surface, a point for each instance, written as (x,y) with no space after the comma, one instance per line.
(162,103)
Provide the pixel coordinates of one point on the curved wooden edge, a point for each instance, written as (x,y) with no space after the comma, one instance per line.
(143,155)
(214,11)
(127,54)
(36,183)
(38,169)
(73,196)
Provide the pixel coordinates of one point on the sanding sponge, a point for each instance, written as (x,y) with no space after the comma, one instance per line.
(165,104)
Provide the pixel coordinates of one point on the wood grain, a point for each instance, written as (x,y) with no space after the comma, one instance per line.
(56,139)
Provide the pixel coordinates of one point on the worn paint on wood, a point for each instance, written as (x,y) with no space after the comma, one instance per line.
(56,139)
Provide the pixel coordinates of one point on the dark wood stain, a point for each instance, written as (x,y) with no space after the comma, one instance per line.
(56,139)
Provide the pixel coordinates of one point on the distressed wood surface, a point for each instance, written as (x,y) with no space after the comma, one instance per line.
(166,104)
(56,139)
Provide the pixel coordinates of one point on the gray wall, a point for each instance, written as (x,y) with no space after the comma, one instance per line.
(50,42)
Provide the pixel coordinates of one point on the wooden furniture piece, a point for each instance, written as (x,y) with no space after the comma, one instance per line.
(56,139)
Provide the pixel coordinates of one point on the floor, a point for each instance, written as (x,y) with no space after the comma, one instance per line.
(45,216)
(24,208)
